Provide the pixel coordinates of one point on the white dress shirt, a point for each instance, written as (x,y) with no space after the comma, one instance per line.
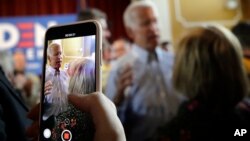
(56,102)
(150,101)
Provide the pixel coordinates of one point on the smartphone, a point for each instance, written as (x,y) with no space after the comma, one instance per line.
(72,60)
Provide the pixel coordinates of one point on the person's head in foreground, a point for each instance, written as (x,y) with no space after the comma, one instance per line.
(209,67)
(82,80)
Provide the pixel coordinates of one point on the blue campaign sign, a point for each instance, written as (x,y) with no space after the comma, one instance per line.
(26,34)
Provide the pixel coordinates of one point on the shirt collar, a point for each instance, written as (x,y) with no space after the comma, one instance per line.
(51,69)
(141,53)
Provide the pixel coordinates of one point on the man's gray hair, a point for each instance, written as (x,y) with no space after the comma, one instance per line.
(127,16)
(52,45)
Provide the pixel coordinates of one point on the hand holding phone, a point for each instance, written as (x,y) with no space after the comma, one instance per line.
(107,125)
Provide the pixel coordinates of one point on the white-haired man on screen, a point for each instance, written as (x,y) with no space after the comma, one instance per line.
(140,82)
(56,82)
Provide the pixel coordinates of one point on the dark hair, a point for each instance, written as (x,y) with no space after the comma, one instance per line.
(242,32)
(91,13)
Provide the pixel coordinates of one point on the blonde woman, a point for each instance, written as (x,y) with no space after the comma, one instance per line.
(209,71)
(82,81)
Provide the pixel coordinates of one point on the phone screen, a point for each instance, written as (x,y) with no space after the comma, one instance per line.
(71,66)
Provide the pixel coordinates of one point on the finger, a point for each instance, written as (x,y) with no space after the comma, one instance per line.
(48,83)
(126,75)
(79,101)
(33,130)
(127,67)
(34,112)
(47,93)
(124,69)
(48,88)
(122,84)
(127,82)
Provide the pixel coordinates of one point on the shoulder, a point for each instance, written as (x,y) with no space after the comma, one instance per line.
(166,55)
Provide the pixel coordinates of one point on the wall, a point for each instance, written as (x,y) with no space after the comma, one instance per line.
(164,20)
(246,9)
(188,13)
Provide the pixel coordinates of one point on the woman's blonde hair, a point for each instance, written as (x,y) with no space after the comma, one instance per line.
(83,79)
(208,65)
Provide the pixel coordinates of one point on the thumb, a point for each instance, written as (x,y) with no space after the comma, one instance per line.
(81,102)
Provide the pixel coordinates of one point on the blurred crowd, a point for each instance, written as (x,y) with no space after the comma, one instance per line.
(199,91)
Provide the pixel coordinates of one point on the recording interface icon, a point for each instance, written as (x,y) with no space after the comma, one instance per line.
(66,135)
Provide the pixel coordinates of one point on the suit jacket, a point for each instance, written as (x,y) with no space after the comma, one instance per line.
(13,112)
(145,106)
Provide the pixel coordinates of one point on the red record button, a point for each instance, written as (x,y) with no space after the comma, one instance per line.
(66,135)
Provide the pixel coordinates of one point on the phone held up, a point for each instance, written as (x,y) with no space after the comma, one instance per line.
(72,60)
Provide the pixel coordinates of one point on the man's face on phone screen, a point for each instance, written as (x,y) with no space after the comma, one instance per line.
(55,57)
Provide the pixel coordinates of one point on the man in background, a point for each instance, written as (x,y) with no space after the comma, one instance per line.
(140,81)
(27,84)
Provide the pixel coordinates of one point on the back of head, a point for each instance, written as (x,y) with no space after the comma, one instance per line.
(92,13)
(242,32)
(208,65)
(82,80)
(96,14)
(127,16)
